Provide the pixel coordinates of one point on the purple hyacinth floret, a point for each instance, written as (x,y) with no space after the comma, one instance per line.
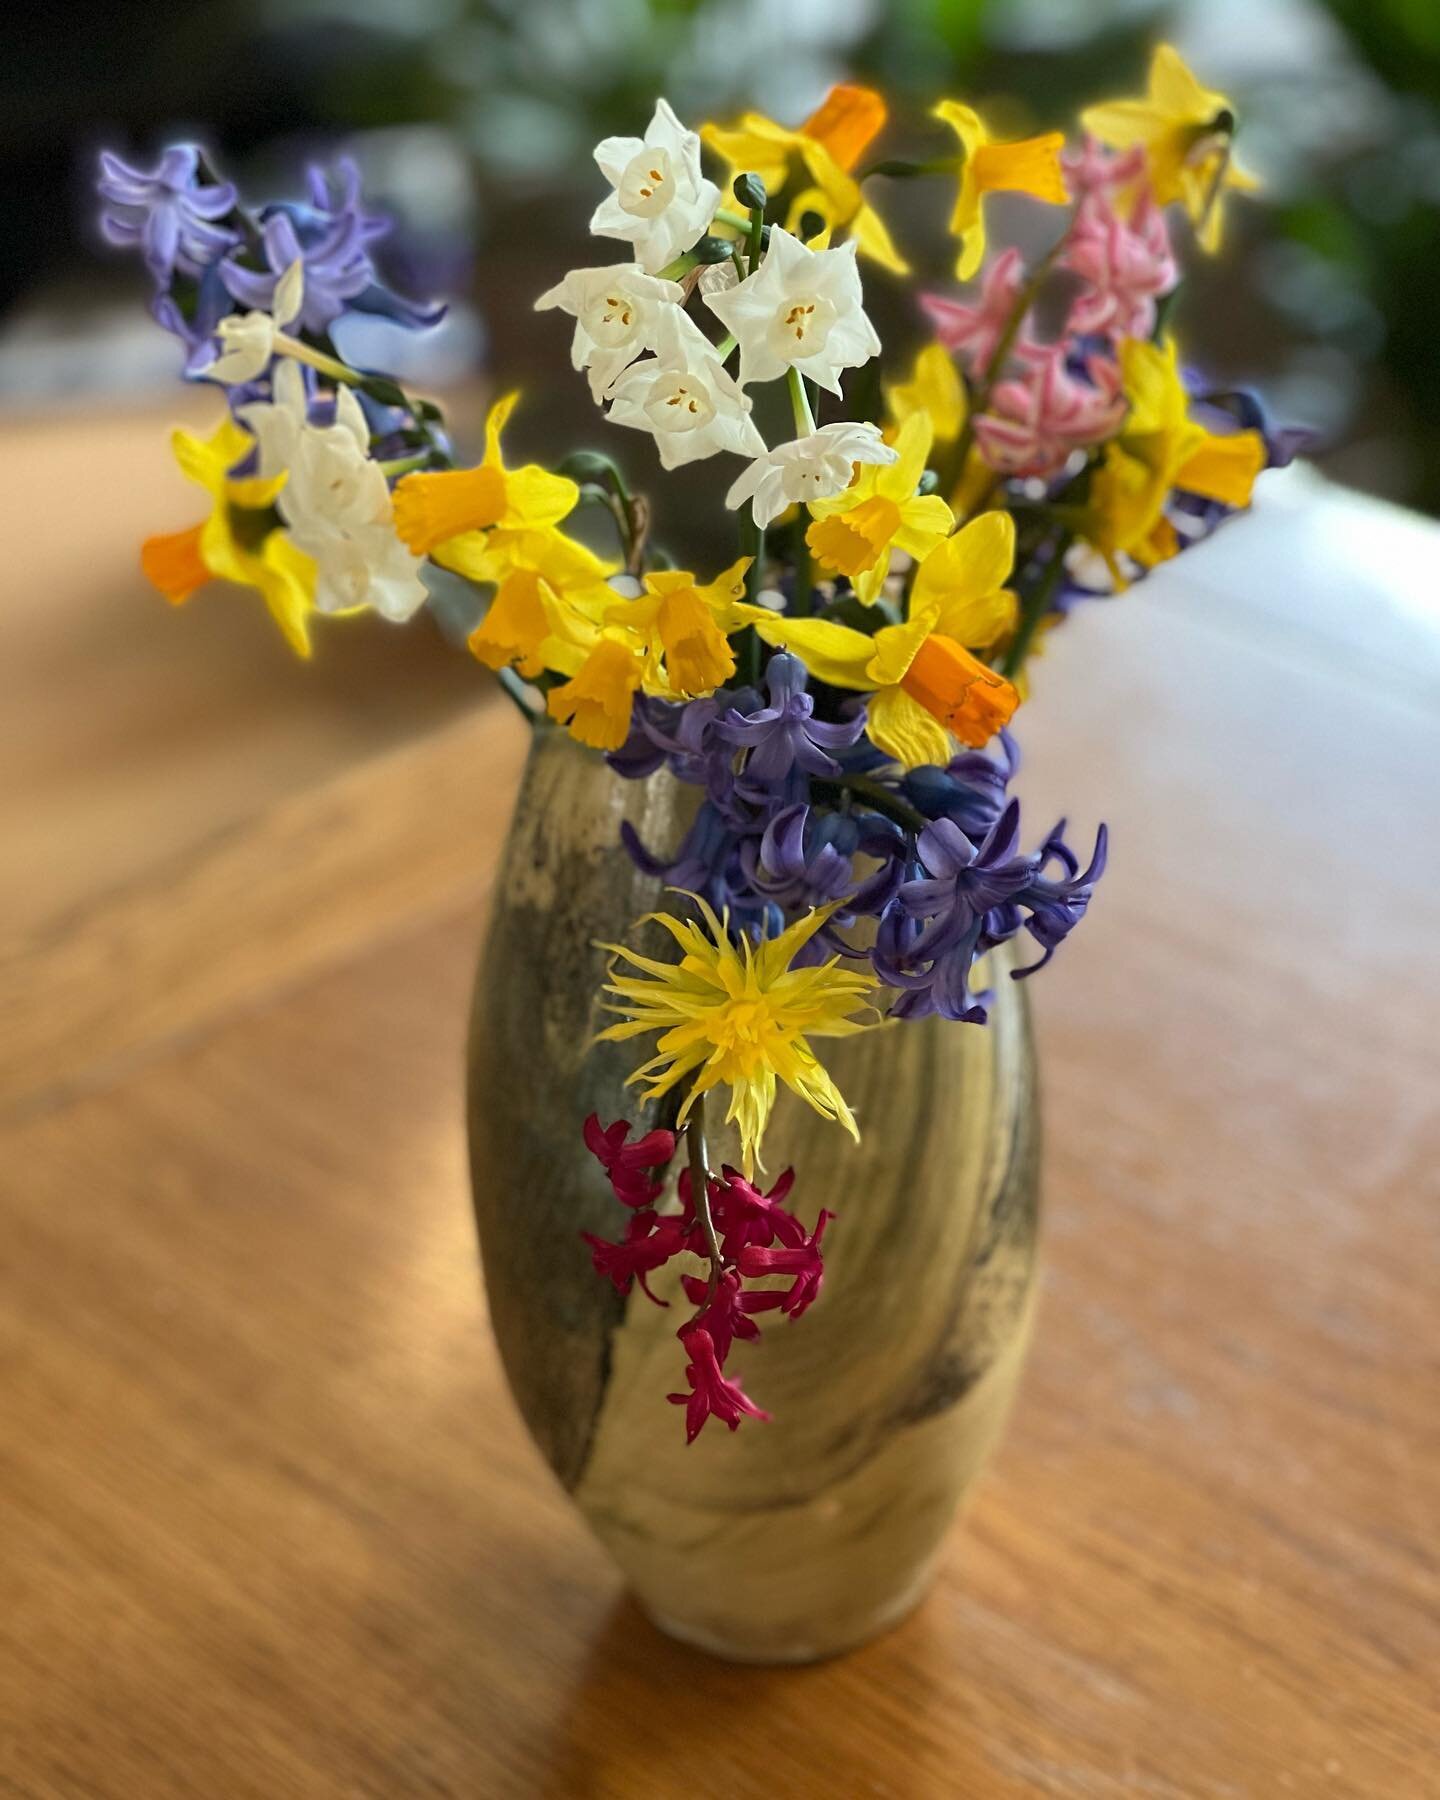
(971,789)
(1057,907)
(331,236)
(171,212)
(785,735)
(962,881)
(962,898)
(337,268)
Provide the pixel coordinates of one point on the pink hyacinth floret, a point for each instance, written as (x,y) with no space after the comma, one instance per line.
(755,1236)
(973,332)
(1094,173)
(1037,419)
(1126,265)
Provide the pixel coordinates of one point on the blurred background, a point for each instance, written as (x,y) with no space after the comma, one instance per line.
(473,121)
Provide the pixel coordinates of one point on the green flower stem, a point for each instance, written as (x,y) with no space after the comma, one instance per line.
(404,465)
(700,1189)
(878,797)
(726,345)
(752,543)
(317,359)
(1034,607)
(757,229)
(740,221)
(514,689)
(800,403)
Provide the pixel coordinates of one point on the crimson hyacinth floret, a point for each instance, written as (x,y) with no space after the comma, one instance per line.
(631,1167)
(752,1236)
(711,1396)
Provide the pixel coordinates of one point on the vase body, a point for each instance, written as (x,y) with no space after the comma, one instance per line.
(802,1537)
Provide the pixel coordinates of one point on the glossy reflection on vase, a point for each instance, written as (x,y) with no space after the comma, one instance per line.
(802,1537)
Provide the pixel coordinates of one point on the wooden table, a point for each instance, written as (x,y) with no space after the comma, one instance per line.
(268,1523)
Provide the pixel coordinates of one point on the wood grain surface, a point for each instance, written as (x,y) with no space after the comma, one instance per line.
(269,1524)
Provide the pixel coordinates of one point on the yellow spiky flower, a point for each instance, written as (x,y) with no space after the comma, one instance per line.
(739,1016)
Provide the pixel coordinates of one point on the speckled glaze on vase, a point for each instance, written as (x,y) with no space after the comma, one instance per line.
(801,1538)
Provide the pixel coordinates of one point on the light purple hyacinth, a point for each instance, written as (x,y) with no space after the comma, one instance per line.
(786,735)
(171,212)
(337,268)
(331,235)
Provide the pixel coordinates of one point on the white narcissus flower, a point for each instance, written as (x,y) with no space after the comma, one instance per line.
(247,340)
(335,501)
(801,309)
(616,312)
(662,204)
(685,398)
(811,468)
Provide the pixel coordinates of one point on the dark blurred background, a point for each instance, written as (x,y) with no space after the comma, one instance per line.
(473,121)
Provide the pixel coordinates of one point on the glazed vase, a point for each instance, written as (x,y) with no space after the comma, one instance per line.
(796,1539)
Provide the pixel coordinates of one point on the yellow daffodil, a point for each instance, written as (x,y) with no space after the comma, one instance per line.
(546,586)
(1160,448)
(1185,131)
(854,533)
(686,623)
(923,678)
(828,145)
(934,388)
(595,703)
(241,541)
(433,511)
(1026,166)
(739,1016)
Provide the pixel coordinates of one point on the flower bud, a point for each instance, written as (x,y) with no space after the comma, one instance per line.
(713,250)
(586,465)
(749,190)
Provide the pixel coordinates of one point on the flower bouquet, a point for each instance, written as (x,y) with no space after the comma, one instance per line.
(828,718)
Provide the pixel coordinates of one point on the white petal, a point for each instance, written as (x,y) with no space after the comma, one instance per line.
(350,415)
(613,153)
(289,294)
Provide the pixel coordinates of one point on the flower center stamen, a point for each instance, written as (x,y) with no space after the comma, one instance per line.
(679,403)
(801,325)
(647,187)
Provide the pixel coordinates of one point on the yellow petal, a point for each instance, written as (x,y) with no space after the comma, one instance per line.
(1028,166)
(286,577)
(934,388)
(756,145)
(903,729)
(1224,467)
(535,498)
(432,508)
(207,461)
(1175,91)
(496,420)
(869,231)
(912,442)
(972,564)
(895,647)
(515,626)
(1120,123)
(834,653)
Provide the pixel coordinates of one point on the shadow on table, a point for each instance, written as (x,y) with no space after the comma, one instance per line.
(648,1715)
